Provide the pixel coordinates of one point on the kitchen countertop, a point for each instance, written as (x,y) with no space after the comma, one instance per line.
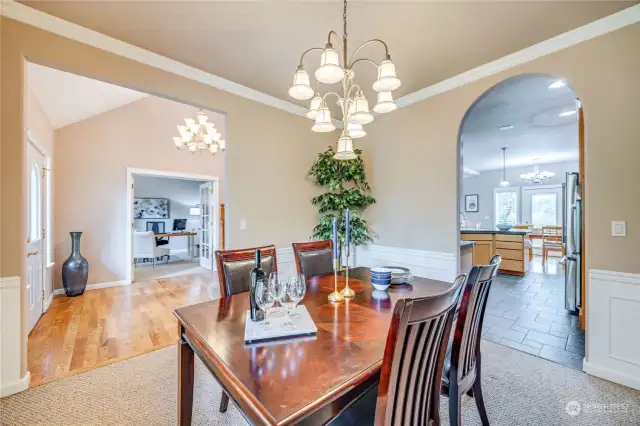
(494,231)
(465,244)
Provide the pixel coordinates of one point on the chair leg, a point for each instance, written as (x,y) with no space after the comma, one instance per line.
(224,402)
(455,415)
(477,394)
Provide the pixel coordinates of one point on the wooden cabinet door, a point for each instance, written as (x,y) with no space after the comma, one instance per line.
(482,252)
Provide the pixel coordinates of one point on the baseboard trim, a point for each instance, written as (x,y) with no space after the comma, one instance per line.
(98,286)
(15,387)
(47,302)
(610,375)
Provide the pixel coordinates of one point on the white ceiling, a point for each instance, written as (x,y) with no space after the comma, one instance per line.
(68,98)
(528,104)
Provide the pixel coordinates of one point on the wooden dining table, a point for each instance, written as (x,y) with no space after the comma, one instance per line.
(305,380)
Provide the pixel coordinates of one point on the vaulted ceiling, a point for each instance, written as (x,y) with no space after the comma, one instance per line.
(258,44)
(522,114)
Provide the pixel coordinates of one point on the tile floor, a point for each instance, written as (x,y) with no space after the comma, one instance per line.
(527,313)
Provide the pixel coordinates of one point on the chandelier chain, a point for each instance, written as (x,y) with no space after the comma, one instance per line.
(344,19)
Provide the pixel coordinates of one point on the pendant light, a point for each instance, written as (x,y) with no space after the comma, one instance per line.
(504,167)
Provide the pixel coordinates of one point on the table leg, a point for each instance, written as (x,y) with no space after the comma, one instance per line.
(185,382)
(190,244)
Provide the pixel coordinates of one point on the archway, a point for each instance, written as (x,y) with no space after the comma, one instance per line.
(520,188)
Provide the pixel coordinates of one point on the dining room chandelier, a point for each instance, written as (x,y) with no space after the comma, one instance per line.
(338,67)
(537,175)
(198,135)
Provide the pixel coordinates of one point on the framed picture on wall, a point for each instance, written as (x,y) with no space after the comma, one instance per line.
(151,208)
(471,203)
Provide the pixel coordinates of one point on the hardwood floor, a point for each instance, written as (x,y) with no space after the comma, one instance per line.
(108,325)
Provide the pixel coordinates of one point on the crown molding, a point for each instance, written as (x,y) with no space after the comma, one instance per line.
(594,29)
(58,26)
(55,25)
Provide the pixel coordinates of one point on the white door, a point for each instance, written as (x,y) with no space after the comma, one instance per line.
(207,225)
(35,235)
(542,205)
(131,184)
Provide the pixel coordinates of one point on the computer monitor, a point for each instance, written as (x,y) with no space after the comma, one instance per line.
(179,224)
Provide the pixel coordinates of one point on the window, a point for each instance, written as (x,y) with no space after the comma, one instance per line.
(506,205)
(34,204)
(544,209)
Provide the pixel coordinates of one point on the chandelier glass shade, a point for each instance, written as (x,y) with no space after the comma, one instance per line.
(537,176)
(199,135)
(336,66)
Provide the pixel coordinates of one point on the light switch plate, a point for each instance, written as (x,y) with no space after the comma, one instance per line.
(618,228)
(243,224)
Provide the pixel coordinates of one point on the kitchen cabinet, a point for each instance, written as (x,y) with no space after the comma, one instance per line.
(510,245)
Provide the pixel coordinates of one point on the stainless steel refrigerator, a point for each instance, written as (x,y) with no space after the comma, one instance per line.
(572,235)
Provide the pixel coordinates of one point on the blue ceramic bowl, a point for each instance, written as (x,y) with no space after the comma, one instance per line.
(380,275)
(381,281)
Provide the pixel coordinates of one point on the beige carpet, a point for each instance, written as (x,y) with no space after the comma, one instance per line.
(519,389)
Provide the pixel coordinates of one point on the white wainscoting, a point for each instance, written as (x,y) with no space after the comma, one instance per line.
(286,261)
(428,264)
(10,342)
(613,316)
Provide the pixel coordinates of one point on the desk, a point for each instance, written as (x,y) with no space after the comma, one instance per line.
(189,236)
(304,381)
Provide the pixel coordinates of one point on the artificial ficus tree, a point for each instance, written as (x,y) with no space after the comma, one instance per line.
(346,187)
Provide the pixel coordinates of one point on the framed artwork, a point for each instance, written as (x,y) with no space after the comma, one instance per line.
(471,203)
(151,208)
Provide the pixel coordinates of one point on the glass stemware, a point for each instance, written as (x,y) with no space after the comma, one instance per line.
(297,290)
(264,300)
(277,288)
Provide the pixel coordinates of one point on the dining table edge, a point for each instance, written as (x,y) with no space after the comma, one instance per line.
(225,377)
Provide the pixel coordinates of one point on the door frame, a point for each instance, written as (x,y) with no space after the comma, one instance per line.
(160,173)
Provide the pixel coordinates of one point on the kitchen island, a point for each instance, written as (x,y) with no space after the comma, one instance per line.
(511,245)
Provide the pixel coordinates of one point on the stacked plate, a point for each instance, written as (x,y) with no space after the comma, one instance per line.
(380,278)
(399,275)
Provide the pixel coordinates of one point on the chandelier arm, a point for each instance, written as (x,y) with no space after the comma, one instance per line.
(365,60)
(348,95)
(307,51)
(330,93)
(339,44)
(386,48)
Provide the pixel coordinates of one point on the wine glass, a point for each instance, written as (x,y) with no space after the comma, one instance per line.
(297,290)
(277,288)
(264,300)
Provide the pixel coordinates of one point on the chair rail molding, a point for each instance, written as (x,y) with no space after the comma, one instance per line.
(612,351)
(427,264)
(10,339)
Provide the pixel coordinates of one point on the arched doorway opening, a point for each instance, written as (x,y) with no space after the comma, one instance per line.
(520,193)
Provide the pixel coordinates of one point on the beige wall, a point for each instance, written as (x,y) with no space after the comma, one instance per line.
(412,154)
(91,158)
(268,151)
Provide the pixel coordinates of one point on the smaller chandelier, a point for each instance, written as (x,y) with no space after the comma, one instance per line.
(199,135)
(537,176)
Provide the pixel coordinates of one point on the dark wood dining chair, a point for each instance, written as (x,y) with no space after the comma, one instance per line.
(234,268)
(463,365)
(409,389)
(234,276)
(314,258)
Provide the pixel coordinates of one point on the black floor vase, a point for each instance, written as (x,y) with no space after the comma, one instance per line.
(75,269)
